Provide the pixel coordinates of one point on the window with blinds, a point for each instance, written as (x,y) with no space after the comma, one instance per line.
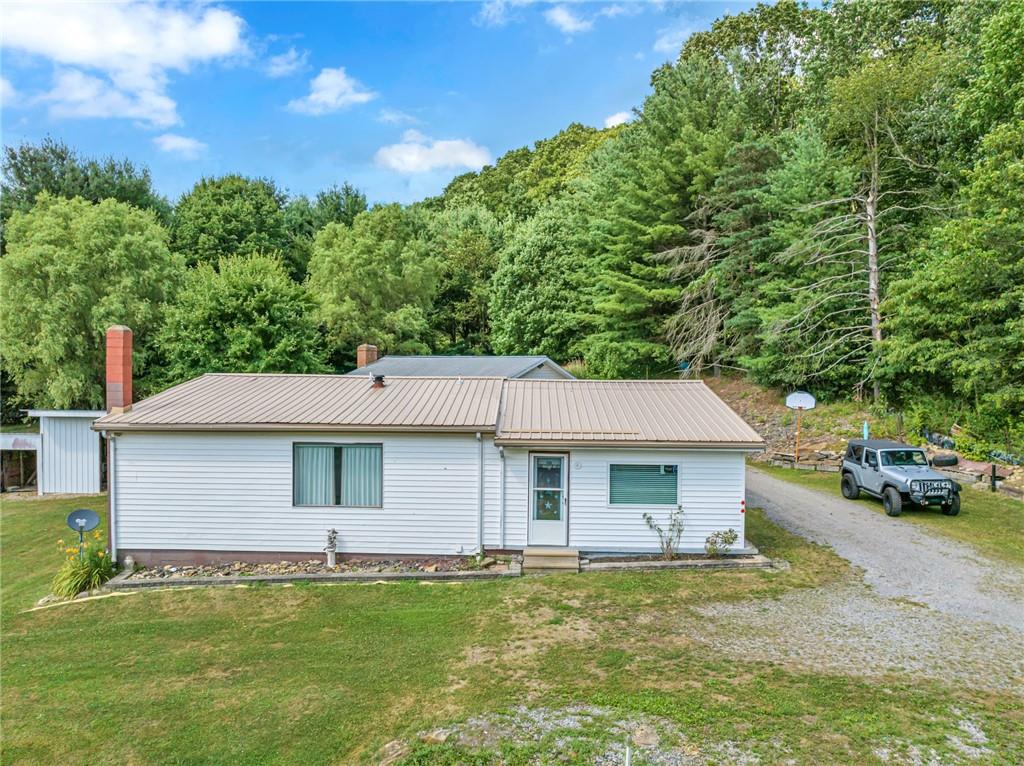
(630,484)
(349,475)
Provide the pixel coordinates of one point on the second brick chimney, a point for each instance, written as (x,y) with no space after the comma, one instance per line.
(366,354)
(119,368)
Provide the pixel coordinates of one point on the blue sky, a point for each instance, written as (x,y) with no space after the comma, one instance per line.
(397,98)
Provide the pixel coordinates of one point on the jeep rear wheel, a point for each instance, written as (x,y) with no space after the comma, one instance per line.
(954,506)
(849,486)
(892,502)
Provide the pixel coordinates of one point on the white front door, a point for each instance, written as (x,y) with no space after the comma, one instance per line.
(549,499)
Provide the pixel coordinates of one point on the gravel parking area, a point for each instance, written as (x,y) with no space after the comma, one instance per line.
(899,560)
(849,629)
(927,606)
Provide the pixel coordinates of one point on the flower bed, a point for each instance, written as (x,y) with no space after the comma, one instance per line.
(316,567)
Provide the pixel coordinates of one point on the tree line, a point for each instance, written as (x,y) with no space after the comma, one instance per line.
(827,197)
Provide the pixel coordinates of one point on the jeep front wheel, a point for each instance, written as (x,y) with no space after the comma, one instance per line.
(892,502)
(954,506)
(849,485)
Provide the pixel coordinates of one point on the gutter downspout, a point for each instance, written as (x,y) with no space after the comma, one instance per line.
(480,495)
(501,498)
(112,493)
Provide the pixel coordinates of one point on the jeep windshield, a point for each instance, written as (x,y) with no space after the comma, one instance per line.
(899,457)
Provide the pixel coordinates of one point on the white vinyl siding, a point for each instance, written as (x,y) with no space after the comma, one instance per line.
(233,492)
(710,491)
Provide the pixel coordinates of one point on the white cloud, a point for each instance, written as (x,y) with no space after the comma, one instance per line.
(670,39)
(185,147)
(417,153)
(331,91)
(284,64)
(617,119)
(8,95)
(621,9)
(498,13)
(565,20)
(396,117)
(121,53)
(76,94)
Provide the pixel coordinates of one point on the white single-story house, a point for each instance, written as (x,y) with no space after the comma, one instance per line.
(368,362)
(261,466)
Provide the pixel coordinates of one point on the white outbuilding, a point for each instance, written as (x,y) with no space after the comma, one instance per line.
(69,452)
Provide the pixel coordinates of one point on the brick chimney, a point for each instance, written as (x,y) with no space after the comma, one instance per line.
(119,368)
(366,354)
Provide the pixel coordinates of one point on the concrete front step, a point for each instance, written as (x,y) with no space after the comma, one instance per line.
(537,559)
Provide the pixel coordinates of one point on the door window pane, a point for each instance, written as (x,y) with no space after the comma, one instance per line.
(547,505)
(547,472)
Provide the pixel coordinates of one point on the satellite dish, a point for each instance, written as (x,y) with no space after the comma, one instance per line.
(800,400)
(83,520)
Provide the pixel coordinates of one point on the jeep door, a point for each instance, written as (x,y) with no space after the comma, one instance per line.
(871,473)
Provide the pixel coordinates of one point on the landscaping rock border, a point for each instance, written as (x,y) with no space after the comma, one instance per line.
(124,580)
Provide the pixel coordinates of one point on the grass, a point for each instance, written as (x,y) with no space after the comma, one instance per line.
(329,674)
(992,523)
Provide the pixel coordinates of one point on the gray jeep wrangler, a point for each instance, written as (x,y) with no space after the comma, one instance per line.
(898,474)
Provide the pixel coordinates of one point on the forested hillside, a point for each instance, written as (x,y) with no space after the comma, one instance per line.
(830,198)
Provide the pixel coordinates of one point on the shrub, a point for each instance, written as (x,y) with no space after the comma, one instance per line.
(669,537)
(718,543)
(87,572)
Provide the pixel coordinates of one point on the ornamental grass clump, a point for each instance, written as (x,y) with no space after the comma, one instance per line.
(82,573)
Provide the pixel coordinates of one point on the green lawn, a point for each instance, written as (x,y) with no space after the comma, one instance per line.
(329,674)
(990,521)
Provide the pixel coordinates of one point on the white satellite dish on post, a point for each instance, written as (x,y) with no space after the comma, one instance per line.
(799,401)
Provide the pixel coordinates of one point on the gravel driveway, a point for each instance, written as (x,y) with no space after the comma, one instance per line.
(899,559)
(929,607)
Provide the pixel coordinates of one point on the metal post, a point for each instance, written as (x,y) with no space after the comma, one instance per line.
(81,542)
(796,462)
(992,484)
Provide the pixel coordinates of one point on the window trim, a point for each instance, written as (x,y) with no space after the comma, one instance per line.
(336,445)
(608,483)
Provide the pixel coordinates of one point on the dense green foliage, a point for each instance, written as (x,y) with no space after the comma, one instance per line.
(375,282)
(229,216)
(55,168)
(72,269)
(823,197)
(245,315)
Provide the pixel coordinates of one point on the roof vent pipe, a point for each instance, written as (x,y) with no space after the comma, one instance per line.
(378,381)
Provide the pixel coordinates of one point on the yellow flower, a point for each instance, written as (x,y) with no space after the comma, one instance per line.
(61,541)
(96,535)
(100,554)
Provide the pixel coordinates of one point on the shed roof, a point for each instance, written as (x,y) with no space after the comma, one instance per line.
(527,411)
(444,366)
(66,413)
(635,412)
(326,402)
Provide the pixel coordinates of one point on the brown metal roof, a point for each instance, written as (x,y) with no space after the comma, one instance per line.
(251,401)
(636,412)
(534,412)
